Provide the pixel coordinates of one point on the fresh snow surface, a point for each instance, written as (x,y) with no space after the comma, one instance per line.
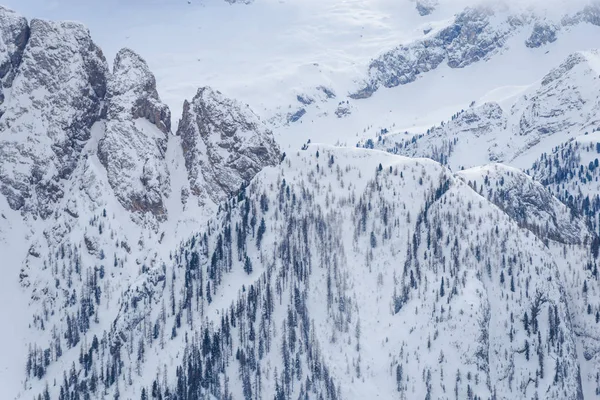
(13,344)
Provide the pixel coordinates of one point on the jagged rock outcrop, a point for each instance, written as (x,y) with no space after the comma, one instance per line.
(135,141)
(14,34)
(480,121)
(56,98)
(224,144)
(133,90)
(296,116)
(470,38)
(542,34)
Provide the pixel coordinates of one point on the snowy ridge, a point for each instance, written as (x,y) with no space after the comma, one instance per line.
(224,144)
(562,105)
(527,202)
(470,38)
(290,260)
(476,34)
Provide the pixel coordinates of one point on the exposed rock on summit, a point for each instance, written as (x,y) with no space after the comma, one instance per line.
(56,98)
(542,34)
(426,7)
(133,148)
(133,91)
(224,144)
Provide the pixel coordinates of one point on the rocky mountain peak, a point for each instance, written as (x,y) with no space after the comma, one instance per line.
(56,98)
(583,59)
(426,7)
(566,99)
(135,141)
(224,144)
(133,90)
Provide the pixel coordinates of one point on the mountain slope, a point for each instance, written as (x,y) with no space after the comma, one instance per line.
(562,105)
(90,151)
(527,202)
(281,280)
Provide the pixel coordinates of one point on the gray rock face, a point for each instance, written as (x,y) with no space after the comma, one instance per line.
(304,99)
(134,145)
(556,74)
(14,34)
(469,39)
(56,98)
(481,121)
(344,109)
(591,14)
(295,117)
(327,91)
(542,34)
(133,86)
(224,144)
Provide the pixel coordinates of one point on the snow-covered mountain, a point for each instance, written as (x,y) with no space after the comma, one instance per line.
(89,162)
(227,256)
(475,35)
(562,105)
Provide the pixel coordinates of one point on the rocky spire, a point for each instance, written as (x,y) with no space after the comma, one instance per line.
(224,144)
(134,145)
